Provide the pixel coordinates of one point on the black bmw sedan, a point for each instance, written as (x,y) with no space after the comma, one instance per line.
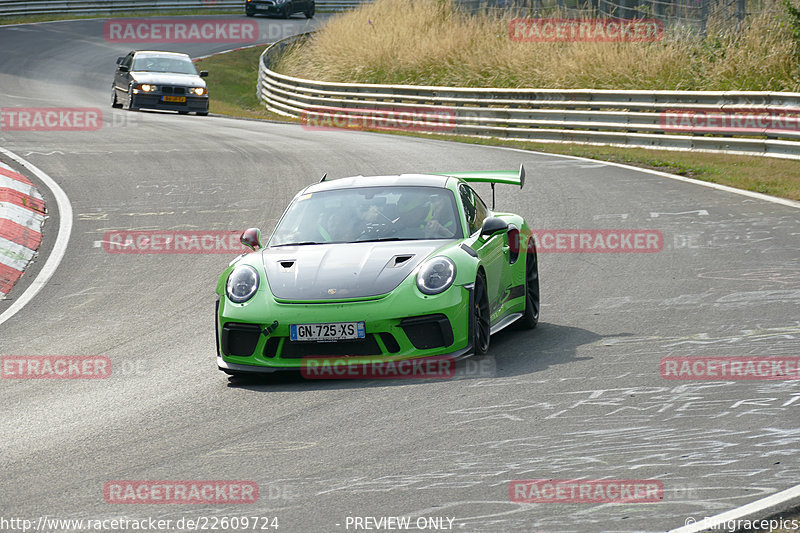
(281,8)
(159,80)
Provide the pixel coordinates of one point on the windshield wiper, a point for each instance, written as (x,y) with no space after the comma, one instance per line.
(303,243)
(383,239)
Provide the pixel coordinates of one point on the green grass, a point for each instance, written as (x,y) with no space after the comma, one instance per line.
(434,43)
(232,86)
(26,19)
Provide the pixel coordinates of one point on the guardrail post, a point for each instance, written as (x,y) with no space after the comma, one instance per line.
(741,9)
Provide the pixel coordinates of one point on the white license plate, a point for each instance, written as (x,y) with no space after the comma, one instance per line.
(331,331)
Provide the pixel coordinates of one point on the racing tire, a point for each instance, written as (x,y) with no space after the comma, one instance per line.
(531,315)
(247,13)
(202,113)
(310,13)
(114,103)
(481,330)
(130,106)
(183,112)
(285,14)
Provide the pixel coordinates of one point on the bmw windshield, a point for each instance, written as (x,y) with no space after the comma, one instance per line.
(369,214)
(163,63)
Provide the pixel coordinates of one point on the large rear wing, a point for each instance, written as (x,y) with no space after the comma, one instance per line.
(509,177)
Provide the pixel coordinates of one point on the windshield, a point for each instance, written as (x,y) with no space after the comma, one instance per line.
(176,65)
(369,214)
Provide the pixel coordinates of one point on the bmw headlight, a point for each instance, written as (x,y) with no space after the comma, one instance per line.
(242,284)
(198,91)
(436,275)
(146,87)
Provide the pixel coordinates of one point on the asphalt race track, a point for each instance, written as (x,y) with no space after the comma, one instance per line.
(579,397)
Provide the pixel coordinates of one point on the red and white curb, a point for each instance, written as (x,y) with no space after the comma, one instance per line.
(22,214)
(63,207)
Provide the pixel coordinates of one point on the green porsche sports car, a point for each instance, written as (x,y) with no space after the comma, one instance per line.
(379,268)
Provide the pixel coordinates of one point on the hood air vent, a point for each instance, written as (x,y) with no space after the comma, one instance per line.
(399,260)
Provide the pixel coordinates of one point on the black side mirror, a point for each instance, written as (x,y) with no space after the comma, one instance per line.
(251,238)
(123,68)
(120,60)
(493,225)
(203,73)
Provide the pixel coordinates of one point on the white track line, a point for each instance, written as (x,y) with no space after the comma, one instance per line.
(232,50)
(741,192)
(60,247)
(757,510)
(734,190)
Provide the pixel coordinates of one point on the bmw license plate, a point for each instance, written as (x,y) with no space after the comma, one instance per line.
(331,331)
(180,99)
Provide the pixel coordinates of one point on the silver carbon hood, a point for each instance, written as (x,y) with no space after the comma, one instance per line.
(341,271)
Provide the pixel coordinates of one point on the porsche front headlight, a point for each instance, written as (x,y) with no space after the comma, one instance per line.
(242,284)
(436,275)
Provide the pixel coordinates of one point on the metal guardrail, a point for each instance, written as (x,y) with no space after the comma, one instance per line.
(82,7)
(621,118)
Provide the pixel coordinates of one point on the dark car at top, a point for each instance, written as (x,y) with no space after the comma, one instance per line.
(281,8)
(169,81)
